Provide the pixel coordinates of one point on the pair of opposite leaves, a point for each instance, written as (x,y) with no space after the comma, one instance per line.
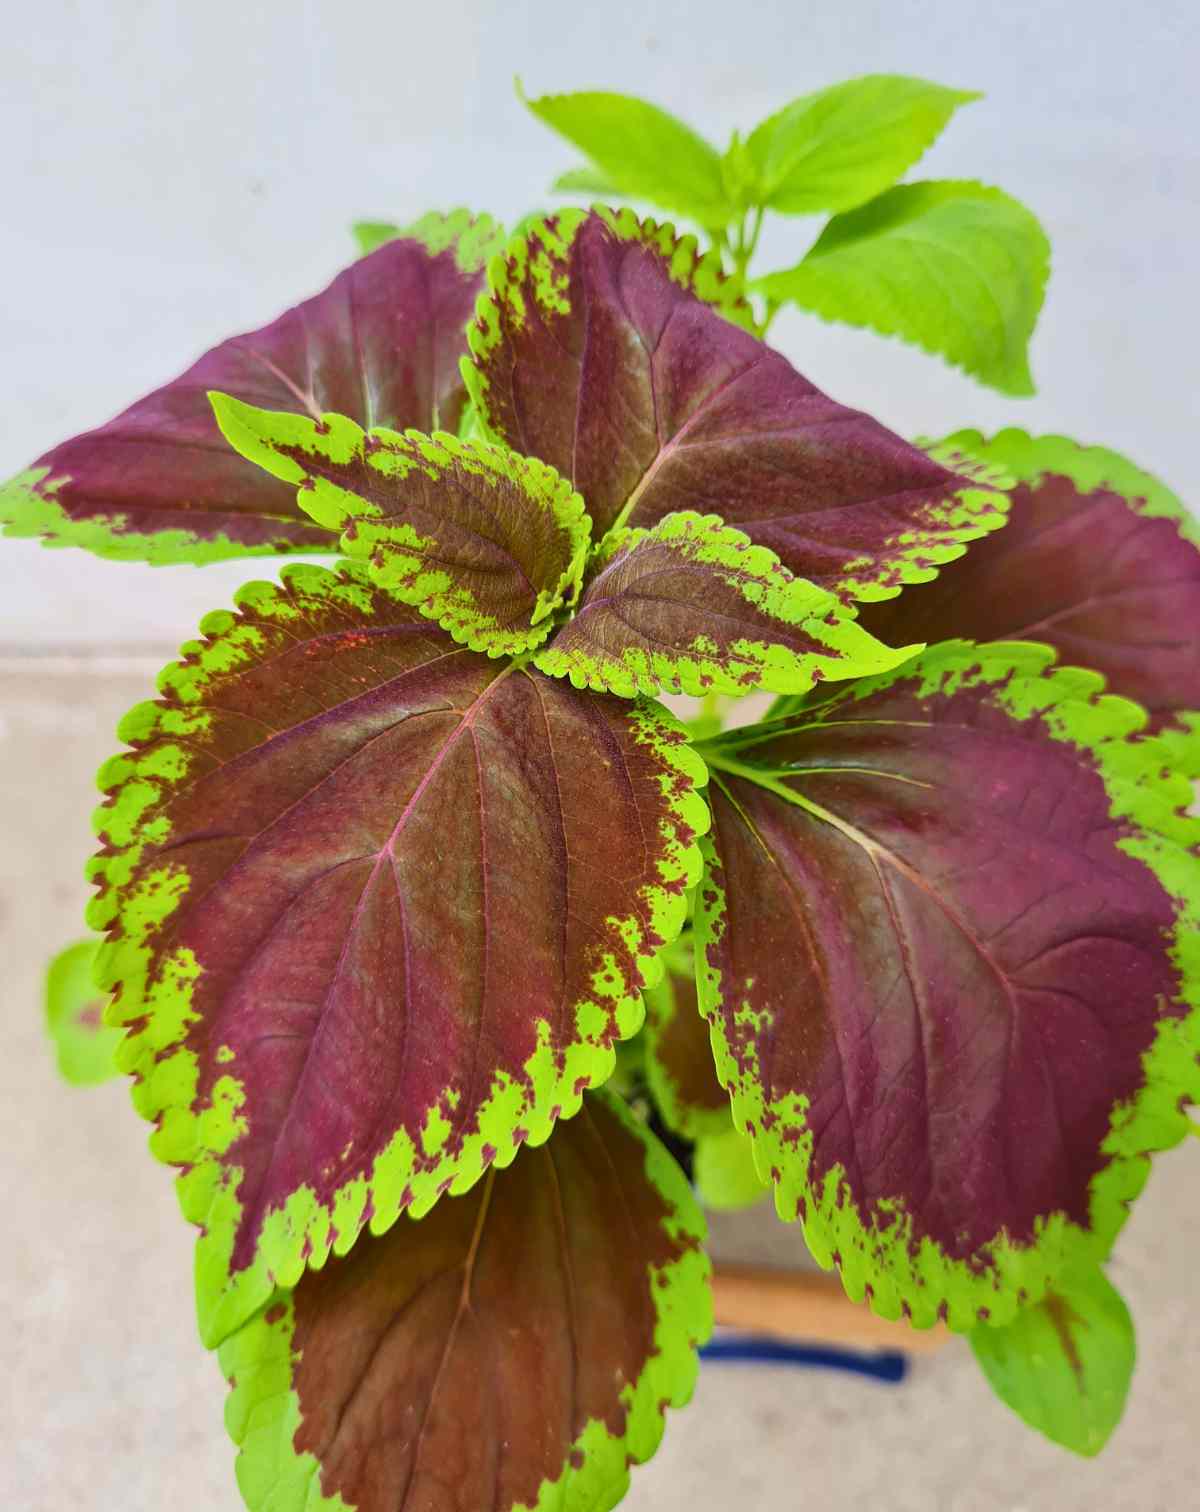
(957,267)
(267,924)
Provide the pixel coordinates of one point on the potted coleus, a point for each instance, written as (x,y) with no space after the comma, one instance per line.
(408,848)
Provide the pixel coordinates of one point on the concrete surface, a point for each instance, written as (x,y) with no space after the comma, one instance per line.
(109,1404)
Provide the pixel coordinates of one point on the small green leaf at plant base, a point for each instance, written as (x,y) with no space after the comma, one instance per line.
(1064,1365)
(75,1017)
(840,147)
(644,152)
(957,268)
(724,1172)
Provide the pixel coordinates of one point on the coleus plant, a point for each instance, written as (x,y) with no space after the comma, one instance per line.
(409,858)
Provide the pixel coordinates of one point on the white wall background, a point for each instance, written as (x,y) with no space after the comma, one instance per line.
(176,172)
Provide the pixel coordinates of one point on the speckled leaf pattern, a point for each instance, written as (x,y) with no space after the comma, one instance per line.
(1064,1365)
(692,606)
(486,543)
(84,1045)
(158,483)
(514,1349)
(601,348)
(1098,559)
(949,949)
(364,929)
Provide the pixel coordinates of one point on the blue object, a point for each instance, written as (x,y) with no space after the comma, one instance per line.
(882,1365)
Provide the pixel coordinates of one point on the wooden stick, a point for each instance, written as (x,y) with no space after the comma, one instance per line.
(809,1307)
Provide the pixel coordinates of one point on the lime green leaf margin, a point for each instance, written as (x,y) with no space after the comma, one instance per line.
(262,1413)
(879,1260)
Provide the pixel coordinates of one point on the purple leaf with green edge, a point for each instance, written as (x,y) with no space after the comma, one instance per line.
(949,949)
(692,606)
(84,1045)
(471,238)
(485,542)
(1098,559)
(363,927)
(158,484)
(528,1335)
(1064,1365)
(599,347)
(724,1170)
(679,1065)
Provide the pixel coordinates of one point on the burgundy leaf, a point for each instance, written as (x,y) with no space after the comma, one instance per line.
(364,923)
(600,353)
(515,1348)
(1098,560)
(159,483)
(947,928)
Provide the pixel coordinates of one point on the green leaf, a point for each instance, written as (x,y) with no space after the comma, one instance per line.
(587,181)
(956,267)
(642,151)
(485,542)
(371,235)
(519,1343)
(840,147)
(692,606)
(724,1171)
(84,1044)
(1064,1365)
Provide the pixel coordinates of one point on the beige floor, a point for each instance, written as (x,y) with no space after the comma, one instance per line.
(108,1403)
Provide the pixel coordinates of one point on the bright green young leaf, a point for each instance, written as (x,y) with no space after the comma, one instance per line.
(724,1172)
(955,267)
(74,1017)
(588,181)
(642,150)
(1064,1365)
(840,147)
(483,541)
